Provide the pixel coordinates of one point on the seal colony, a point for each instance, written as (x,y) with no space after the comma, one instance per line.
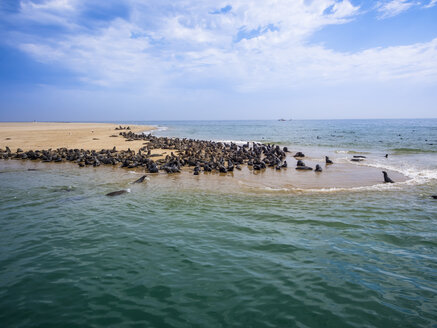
(174,154)
(208,156)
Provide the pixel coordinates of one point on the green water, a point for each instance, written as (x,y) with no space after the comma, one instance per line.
(173,255)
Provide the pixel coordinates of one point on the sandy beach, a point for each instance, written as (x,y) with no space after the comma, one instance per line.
(88,136)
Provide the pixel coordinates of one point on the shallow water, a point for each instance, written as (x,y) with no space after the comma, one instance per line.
(185,251)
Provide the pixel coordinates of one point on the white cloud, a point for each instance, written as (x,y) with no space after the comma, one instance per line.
(54,5)
(431,3)
(52,12)
(188,47)
(393,7)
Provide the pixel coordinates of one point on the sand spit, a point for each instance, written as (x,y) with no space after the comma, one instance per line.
(88,136)
(89,144)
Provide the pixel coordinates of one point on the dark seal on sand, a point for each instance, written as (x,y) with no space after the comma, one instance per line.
(304,168)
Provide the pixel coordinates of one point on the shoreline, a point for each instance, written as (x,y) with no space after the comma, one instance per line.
(241,182)
(255,166)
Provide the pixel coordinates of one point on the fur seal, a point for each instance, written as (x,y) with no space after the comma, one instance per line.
(140,180)
(386,178)
(299,154)
(222,169)
(434,196)
(300,163)
(304,168)
(117,193)
(318,168)
(328,161)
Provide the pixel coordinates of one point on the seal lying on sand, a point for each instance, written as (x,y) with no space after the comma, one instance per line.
(117,193)
(307,168)
(386,178)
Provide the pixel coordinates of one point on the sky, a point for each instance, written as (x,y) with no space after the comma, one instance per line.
(73,60)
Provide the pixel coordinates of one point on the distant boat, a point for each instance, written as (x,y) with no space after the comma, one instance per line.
(282,120)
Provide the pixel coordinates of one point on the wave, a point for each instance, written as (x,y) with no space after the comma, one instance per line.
(237,142)
(297,190)
(351,152)
(266,141)
(161,128)
(156,128)
(416,176)
(400,151)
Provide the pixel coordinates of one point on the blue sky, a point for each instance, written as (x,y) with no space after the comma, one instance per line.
(243,59)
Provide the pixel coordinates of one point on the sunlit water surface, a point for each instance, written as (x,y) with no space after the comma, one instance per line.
(184,251)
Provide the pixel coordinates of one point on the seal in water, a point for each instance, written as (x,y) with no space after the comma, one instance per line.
(140,180)
(434,196)
(386,178)
(328,161)
(116,193)
(318,168)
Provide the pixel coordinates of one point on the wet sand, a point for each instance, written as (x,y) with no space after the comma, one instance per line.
(337,177)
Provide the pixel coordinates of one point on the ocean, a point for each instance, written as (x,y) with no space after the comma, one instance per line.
(226,251)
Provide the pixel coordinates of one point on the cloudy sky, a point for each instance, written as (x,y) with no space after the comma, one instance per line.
(238,59)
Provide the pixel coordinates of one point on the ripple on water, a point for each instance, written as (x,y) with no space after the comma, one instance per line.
(165,257)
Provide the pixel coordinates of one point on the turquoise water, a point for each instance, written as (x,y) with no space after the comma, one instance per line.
(175,253)
(392,136)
